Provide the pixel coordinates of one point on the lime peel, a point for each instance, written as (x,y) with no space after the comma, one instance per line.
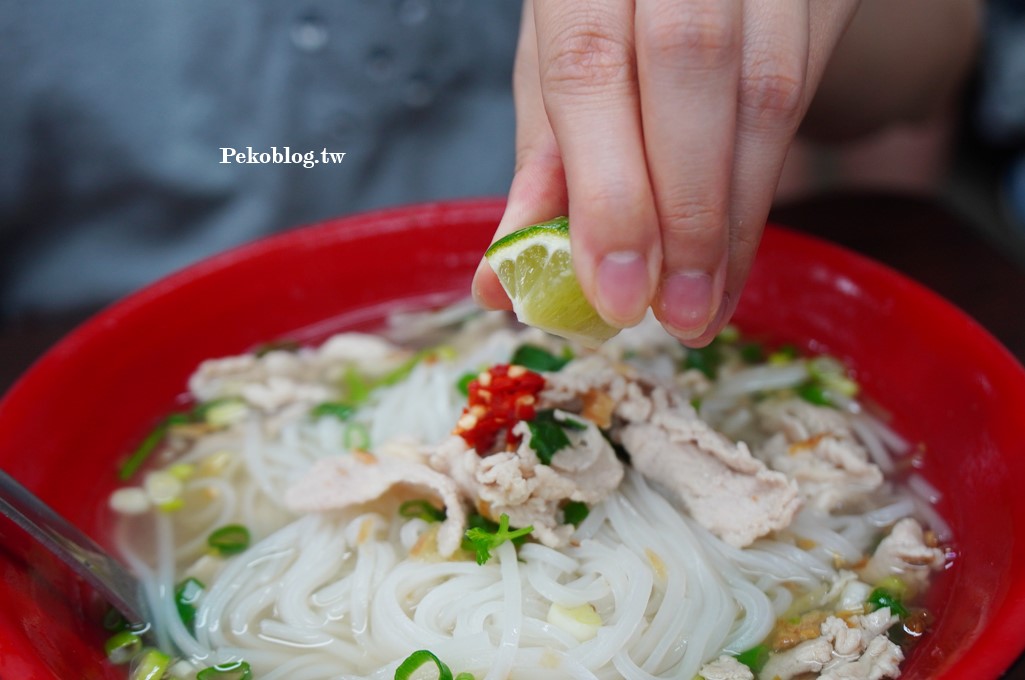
(535,267)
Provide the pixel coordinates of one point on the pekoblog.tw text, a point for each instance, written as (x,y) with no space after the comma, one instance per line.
(285,155)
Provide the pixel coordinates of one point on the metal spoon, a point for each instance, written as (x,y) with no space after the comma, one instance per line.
(85,557)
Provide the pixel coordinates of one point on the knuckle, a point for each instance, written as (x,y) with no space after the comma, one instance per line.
(620,197)
(705,35)
(587,57)
(773,87)
(692,219)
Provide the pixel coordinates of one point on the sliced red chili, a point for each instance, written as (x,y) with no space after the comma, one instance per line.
(498,398)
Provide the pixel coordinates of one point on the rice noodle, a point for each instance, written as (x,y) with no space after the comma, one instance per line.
(340,594)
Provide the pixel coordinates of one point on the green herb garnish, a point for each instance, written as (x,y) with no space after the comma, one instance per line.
(356,437)
(150,664)
(752,353)
(463,384)
(483,541)
(150,443)
(548,435)
(421,509)
(233,670)
(228,540)
(356,386)
(706,359)
(784,354)
(186,595)
(881,597)
(122,647)
(755,658)
(538,359)
(201,412)
(814,393)
(575,512)
(420,657)
(338,409)
(400,373)
(198,414)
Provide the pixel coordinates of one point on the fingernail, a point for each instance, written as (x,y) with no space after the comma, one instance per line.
(712,329)
(686,303)
(622,280)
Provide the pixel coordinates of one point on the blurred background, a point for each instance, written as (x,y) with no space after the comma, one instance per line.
(118,113)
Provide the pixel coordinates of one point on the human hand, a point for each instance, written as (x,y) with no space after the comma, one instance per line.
(660,127)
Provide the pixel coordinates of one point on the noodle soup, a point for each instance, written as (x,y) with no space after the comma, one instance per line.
(496,502)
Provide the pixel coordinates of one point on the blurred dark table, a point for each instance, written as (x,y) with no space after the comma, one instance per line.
(928,243)
(916,236)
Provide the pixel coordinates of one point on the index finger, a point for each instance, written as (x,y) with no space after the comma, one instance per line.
(589,86)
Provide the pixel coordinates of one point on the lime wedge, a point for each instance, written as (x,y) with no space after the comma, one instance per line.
(536,269)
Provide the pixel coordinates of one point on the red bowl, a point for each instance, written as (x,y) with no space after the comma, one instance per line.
(948,384)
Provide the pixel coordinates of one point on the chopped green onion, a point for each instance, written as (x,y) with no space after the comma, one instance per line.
(122,647)
(186,595)
(705,359)
(895,585)
(537,359)
(729,334)
(199,411)
(357,387)
(814,393)
(421,509)
(832,375)
(754,658)
(463,384)
(881,597)
(228,540)
(400,373)
(151,664)
(337,409)
(548,435)
(233,670)
(752,353)
(483,541)
(149,444)
(784,354)
(356,437)
(181,471)
(575,512)
(221,412)
(420,657)
(163,489)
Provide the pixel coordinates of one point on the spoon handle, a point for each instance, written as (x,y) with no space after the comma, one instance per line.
(85,557)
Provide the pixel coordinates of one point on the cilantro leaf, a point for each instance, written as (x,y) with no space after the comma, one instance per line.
(754,658)
(538,359)
(881,597)
(463,384)
(548,435)
(705,359)
(484,541)
(575,512)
